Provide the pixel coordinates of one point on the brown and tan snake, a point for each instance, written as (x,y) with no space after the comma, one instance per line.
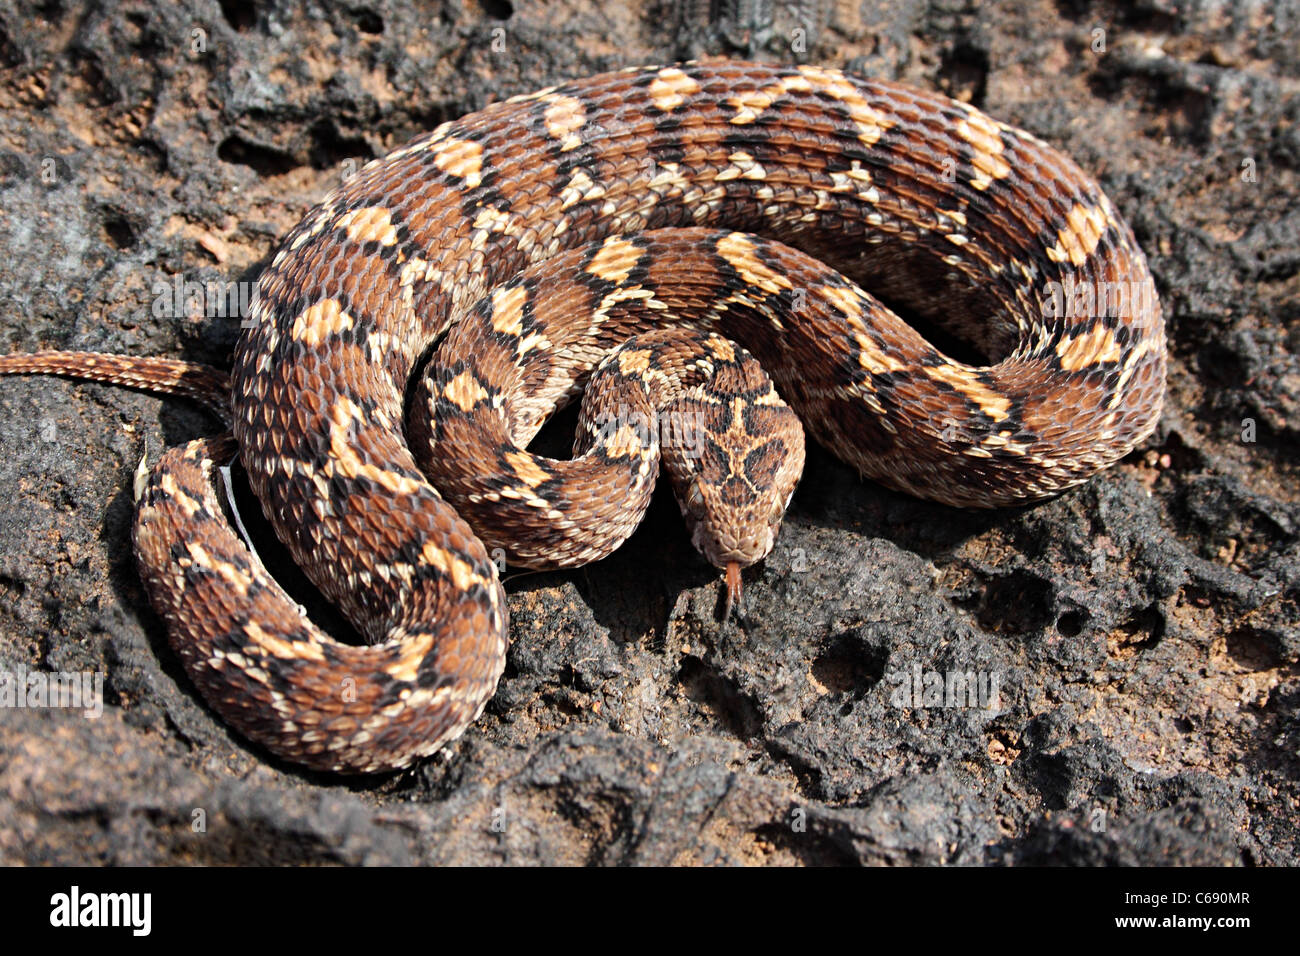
(527,241)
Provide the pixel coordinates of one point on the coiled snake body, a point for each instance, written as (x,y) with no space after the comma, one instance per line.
(543,230)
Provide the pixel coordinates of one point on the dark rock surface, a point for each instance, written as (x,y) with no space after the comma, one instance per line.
(1143,629)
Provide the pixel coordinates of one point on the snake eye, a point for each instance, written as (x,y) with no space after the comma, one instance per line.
(692,502)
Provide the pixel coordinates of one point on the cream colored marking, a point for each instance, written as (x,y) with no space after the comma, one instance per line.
(461,158)
(1094,347)
(529,97)
(986,142)
(317,222)
(564,117)
(615,260)
(321,503)
(634,361)
(319,321)
(533,340)
(380,344)
(343,458)
(407,666)
(178,494)
(669,174)
(626,294)
(992,404)
(870,355)
(369,224)
(529,472)
(625,443)
(414,269)
(846,182)
(749,104)
(236,578)
(874,359)
(383,419)
(508,309)
(708,202)
(492,219)
(871,122)
(740,254)
(669,89)
(580,187)
(1084,227)
(722,350)
(401,571)
(464,391)
(1143,346)
(429,698)
(742,166)
(420,145)
(434,274)
(461,572)
(277,647)
(846,300)
(736,424)
(956,238)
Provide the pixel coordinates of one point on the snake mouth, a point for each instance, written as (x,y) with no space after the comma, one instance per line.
(724,546)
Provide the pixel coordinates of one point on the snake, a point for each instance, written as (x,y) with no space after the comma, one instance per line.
(689,243)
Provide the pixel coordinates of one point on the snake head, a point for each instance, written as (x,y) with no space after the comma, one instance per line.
(735,474)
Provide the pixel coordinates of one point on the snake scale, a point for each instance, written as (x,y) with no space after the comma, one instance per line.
(482,271)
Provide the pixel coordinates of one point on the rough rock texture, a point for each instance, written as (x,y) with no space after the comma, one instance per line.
(1142,630)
